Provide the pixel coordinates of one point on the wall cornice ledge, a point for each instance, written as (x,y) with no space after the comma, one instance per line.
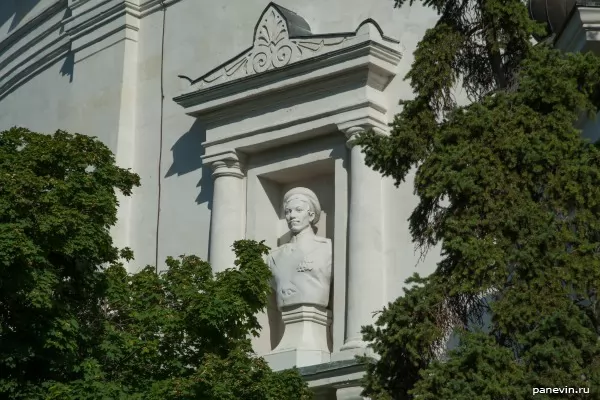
(34,46)
(139,8)
(94,15)
(205,100)
(86,16)
(581,32)
(27,27)
(283,38)
(292,85)
(63,27)
(150,6)
(333,375)
(31,66)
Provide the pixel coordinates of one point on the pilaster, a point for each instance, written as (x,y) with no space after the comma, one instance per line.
(228,209)
(366,262)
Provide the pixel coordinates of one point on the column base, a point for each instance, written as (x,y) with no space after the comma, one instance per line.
(285,359)
(352,344)
(349,393)
(351,349)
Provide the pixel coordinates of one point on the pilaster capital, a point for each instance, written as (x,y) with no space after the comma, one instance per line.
(352,134)
(352,129)
(227,168)
(225,164)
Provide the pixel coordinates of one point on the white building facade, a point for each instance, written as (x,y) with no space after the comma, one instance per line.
(223,106)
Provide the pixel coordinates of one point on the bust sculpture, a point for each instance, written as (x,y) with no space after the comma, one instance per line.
(302,268)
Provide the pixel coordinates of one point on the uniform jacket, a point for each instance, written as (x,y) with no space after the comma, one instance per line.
(302,276)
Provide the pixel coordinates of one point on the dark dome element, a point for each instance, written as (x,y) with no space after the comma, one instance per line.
(553,13)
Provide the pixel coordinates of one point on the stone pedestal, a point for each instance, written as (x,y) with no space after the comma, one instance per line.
(304,340)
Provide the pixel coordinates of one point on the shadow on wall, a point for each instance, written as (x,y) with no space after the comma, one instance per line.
(15,9)
(7,11)
(187,153)
(68,67)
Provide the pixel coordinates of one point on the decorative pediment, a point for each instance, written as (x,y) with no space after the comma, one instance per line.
(293,85)
(281,38)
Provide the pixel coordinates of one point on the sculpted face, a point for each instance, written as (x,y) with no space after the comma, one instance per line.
(298,214)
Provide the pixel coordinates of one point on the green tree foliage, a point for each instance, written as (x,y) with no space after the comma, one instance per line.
(510,192)
(184,334)
(75,326)
(57,203)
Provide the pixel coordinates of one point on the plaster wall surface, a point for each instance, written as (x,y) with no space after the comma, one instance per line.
(404,258)
(110,69)
(16,13)
(117,82)
(214,33)
(80,94)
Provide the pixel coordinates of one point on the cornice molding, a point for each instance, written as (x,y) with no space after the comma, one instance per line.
(15,77)
(67,26)
(581,29)
(139,8)
(84,14)
(283,38)
(151,6)
(377,124)
(99,13)
(6,57)
(287,88)
(27,27)
(294,73)
(333,375)
(32,47)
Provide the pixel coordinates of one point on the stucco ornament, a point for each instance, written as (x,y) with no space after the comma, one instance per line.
(302,268)
(281,37)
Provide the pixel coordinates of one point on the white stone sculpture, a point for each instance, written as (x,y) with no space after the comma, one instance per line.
(301,280)
(302,268)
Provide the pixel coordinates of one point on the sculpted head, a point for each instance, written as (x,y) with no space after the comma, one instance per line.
(302,209)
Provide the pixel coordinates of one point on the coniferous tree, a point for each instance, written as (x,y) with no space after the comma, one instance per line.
(510,192)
